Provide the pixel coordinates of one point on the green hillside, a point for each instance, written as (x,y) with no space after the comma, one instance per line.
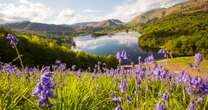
(181,35)
(190,6)
(37,50)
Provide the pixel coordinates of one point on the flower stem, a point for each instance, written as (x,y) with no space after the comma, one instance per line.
(19,57)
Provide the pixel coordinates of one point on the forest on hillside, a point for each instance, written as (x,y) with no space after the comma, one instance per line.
(36,50)
(180,34)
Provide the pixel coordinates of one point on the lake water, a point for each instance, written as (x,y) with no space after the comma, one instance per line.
(109,45)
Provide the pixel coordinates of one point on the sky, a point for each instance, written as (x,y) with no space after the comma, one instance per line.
(75,11)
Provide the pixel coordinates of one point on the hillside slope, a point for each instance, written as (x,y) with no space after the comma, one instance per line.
(181,34)
(38,50)
(191,6)
(52,29)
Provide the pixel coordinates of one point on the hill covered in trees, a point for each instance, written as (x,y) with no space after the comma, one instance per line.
(37,50)
(180,34)
(52,30)
(181,29)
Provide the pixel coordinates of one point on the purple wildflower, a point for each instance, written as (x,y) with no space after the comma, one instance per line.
(163,72)
(10,69)
(196,82)
(192,106)
(62,67)
(123,85)
(121,56)
(156,70)
(149,58)
(119,107)
(162,51)
(116,99)
(165,96)
(79,74)
(129,99)
(160,106)
(139,59)
(198,59)
(200,100)
(125,56)
(138,81)
(204,88)
(185,77)
(189,90)
(44,89)
(13,41)
(73,67)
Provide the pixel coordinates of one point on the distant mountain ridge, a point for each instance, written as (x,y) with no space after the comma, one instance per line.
(41,28)
(187,7)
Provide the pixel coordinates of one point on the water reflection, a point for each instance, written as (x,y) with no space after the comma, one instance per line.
(106,45)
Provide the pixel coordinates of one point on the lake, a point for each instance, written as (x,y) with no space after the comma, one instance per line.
(109,45)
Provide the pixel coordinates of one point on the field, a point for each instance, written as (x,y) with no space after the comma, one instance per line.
(137,88)
(169,84)
(183,63)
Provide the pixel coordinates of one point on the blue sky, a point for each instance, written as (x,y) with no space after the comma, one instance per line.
(74,11)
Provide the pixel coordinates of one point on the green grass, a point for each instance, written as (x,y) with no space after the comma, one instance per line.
(183,63)
(93,94)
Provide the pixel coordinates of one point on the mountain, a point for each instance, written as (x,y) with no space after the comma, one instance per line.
(42,29)
(100,24)
(181,29)
(187,7)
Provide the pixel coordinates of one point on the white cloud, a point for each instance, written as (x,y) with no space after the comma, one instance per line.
(127,11)
(24,10)
(91,11)
(69,16)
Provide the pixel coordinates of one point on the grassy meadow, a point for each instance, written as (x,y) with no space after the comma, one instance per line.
(76,90)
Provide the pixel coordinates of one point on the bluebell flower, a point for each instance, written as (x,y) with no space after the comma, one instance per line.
(163,73)
(185,77)
(189,90)
(9,69)
(73,67)
(62,67)
(196,82)
(204,89)
(199,100)
(162,51)
(119,107)
(121,56)
(116,99)
(160,106)
(13,41)
(125,57)
(165,96)
(192,106)
(156,71)
(198,59)
(129,99)
(44,89)
(139,59)
(138,81)
(79,74)
(123,86)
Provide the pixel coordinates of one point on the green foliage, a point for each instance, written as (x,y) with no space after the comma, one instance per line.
(38,50)
(97,34)
(180,34)
(88,94)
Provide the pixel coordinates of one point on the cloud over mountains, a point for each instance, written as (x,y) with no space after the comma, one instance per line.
(27,10)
